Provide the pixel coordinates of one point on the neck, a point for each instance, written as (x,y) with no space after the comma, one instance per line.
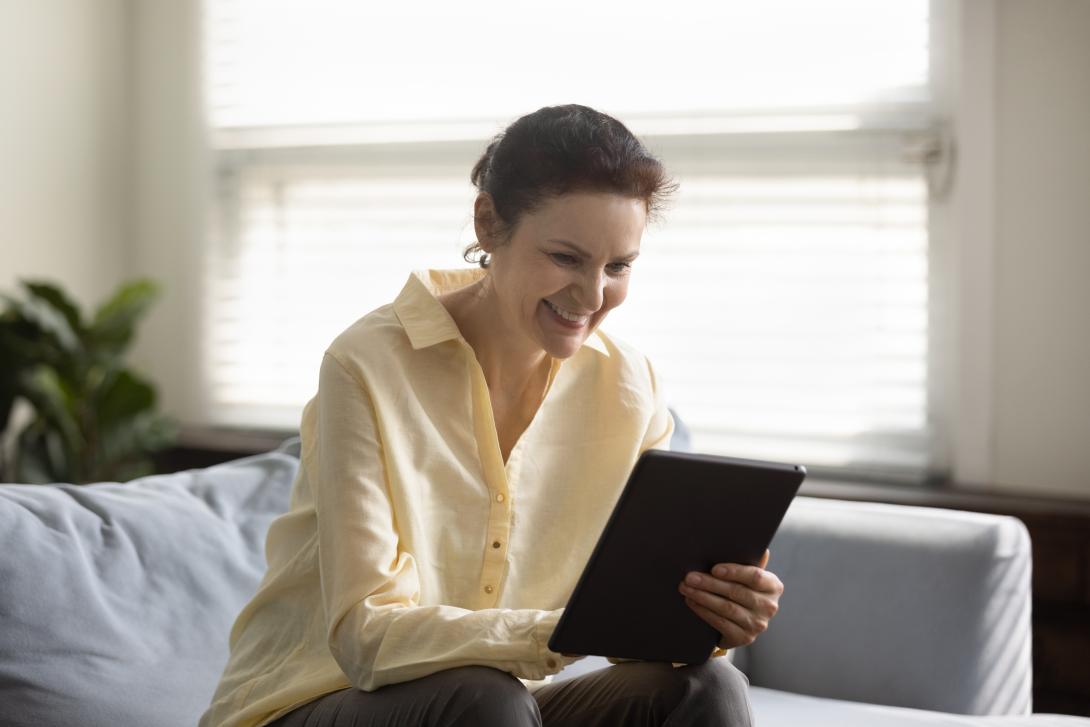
(513,366)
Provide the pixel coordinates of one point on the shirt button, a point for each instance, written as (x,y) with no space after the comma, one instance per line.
(496,544)
(488,589)
(499,497)
(550,662)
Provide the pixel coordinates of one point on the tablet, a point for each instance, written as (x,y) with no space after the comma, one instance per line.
(679,512)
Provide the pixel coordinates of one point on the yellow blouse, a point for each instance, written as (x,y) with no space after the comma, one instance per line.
(410,547)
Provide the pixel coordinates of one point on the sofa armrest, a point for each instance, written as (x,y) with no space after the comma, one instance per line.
(899,605)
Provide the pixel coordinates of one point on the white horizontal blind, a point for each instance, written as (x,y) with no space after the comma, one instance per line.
(784,299)
(785,302)
(307,250)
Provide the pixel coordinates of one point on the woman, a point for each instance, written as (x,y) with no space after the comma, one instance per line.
(465,448)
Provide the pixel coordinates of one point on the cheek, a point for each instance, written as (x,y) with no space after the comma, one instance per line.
(615,293)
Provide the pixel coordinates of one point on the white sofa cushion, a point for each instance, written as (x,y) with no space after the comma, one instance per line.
(774,708)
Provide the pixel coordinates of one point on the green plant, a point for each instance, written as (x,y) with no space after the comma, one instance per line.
(93,419)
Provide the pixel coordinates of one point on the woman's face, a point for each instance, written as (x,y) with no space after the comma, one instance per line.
(566,266)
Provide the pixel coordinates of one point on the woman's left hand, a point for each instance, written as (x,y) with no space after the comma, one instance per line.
(737,600)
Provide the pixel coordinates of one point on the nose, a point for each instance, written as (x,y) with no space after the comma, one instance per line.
(591,290)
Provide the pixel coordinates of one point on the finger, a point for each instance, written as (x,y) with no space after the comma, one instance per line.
(756,578)
(736,592)
(732,633)
(761,564)
(730,596)
(745,617)
(728,628)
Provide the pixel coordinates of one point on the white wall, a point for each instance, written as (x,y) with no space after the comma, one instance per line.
(63,144)
(1041,369)
(170,182)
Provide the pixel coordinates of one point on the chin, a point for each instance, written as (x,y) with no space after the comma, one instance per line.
(563,349)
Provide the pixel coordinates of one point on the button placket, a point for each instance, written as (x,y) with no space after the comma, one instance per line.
(497,531)
(498,475)
(495,552)
(497,543)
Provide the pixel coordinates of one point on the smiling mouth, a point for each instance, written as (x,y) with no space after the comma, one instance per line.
(571,319)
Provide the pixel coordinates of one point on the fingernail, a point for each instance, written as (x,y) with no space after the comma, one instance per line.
(720,570)
(693,579)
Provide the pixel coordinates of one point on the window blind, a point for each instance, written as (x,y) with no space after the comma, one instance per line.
(784,298)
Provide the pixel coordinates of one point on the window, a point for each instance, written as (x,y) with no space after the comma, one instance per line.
(784,299)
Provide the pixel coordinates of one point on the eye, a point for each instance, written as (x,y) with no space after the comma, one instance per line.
(619,268)
(561,258)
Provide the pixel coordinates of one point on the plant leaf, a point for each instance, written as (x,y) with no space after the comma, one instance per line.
(92,417)
(123,396)
(11,364)
(22,343)
(114,322)
(58,300)
(40,457)
(34,319)
(54,404)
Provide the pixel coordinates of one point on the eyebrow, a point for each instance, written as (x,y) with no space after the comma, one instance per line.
(568,243)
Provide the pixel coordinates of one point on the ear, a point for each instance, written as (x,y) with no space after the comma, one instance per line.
(485,221)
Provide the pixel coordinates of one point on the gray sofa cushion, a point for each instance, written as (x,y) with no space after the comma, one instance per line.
(906,606)
(115,599)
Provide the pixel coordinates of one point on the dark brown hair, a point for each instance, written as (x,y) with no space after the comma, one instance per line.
(561,149)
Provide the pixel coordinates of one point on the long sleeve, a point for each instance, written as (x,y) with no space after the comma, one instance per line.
(661,427)
(377,630)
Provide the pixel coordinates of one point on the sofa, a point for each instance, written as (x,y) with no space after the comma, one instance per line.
(116,601)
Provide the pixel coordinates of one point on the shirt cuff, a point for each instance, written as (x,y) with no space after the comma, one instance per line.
(716,653)
(619,660)
(551,662)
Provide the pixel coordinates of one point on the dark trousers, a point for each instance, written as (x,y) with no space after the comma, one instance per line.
(632,694)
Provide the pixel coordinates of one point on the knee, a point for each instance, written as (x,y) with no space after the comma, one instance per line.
(723,676)
(649,690)
(486,697)
(718,690)
(671,685)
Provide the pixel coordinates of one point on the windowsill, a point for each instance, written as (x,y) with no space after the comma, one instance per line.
(948,495)
(234,440)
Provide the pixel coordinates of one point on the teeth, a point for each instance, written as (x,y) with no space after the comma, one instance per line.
(565,314)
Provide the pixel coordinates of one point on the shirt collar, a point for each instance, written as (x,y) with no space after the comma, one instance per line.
(426,320)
